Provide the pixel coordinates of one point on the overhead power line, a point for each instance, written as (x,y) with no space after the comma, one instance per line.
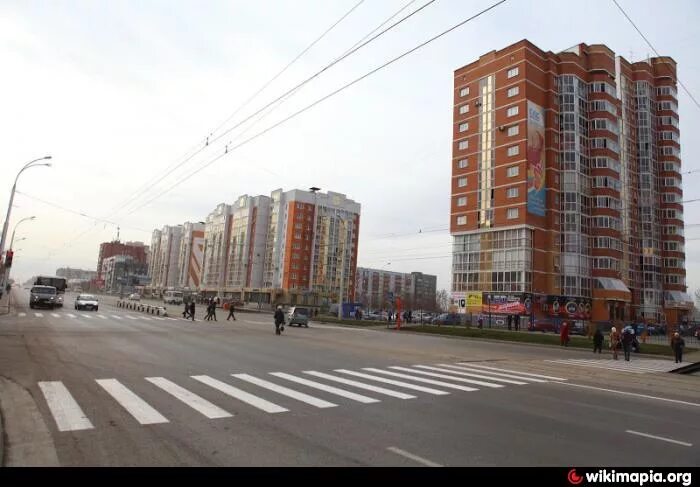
(654,49)
(321,100)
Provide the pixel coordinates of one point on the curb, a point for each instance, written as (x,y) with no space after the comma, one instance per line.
(144,308)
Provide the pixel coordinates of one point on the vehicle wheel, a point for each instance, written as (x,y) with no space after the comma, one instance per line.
(31,306)
(96,308)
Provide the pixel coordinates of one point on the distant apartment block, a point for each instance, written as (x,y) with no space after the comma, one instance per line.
(165,249)
(375,287)
(190,255)
(137,250)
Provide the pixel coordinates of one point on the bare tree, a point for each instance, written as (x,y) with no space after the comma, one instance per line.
(442,300)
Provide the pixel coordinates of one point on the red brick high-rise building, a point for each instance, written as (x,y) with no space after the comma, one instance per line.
(137,250)
(566,186)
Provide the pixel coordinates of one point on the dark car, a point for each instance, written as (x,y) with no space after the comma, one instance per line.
(448,319)
(43,296)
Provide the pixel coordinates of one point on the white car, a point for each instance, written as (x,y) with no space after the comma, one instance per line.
(86,301)
(134,297)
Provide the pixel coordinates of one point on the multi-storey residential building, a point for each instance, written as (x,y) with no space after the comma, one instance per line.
(374,287)
(165,250)
(216,243)
(190,255)
(107,249)
(121,273)
(246,244)
(566,185)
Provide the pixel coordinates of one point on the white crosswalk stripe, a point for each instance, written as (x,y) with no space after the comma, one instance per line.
(399,383)
(102,316)
(38,315)
(490,374)
(158,318)
(142,412)
(467,374)
(21,315)
(326,388)
(422,379)
(84,315)
(145,318)
(637,366)
(64,408)
(285,391)
(71,315)
(449,377)
(239,394)
(55,315)
(528,374)
(132,317)
(360,385)
(194,401)
(116,317)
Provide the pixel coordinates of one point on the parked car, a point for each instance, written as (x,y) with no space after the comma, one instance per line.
(86,301)
(448,319)
(43,296)
(134,297)
(298,316)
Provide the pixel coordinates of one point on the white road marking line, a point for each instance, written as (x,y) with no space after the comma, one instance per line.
(239,394)
(21,315)
(623,365)
(324,387)
(489,374)
(142,412)
(467,374)
(669,440)
(55,315)
(38,315)
(158,318)
(64,408)
(422,379)
(399,383)
(624,393)
(71,315)
(132,317)
(360,385)
(116,317)
(211,411)
(86,315)
(102,316)
(413,457)
(285,391)
(145,318)
(564,362)
(449,377)
(469,364)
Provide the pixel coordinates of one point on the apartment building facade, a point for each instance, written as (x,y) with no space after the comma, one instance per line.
(138,250)
(165,249)
(190,255)
(566,185)
(374,288)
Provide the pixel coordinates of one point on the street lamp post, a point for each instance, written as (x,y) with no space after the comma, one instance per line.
(15,229)
(12,197)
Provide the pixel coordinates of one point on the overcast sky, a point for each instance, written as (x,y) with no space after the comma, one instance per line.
(119,92)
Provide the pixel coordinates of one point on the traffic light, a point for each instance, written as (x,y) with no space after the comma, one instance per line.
(8,258)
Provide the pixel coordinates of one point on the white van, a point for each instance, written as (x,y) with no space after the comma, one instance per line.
(172,297)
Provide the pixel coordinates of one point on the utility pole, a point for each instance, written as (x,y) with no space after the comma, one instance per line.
(342,272)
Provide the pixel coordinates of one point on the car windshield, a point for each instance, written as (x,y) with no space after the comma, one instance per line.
(43,290)
(87,297)
(301,311)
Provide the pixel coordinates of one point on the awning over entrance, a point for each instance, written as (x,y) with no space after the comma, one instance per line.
(610,284)
(678,299)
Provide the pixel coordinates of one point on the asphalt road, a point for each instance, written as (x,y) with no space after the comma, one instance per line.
(116,387)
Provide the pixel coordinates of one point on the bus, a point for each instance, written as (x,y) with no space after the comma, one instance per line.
(58,282)
(172,297)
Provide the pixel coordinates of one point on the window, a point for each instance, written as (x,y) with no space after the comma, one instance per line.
(513,171)
(463,127)
(296,246)
(512,213)
(513,151)
(461,220)
(463,109)
(464,91)
(462,201)
(300,206)
(513,91)
(462,182)
(513,72)
(298,226)
(463,144)
(297,235)
(462,163)
(512,192)
(513,130)
(512,111)
(293,275)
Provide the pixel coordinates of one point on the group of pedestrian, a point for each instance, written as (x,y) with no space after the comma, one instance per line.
(626,341)
(513,321)
(188,311)
(211,309)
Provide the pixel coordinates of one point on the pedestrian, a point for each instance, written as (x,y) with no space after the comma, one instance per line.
(480,321)
(186,311)
(678,344)
(517,322)
(510,322)
(213,309)
(230,312)
(192,310)
(410,316)
(209,305)
(614,341)
(279,321)
(564,334)
(627,340)
(598,341)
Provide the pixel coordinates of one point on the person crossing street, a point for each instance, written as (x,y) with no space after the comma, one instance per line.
(230,312)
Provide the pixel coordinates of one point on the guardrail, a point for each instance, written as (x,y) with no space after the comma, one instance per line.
(145,308)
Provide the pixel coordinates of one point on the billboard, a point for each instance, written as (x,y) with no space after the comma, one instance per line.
(507,303)
(466,300)
(536,192)
(568,307)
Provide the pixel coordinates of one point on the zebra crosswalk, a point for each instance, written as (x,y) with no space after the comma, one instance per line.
(217,397)
(635,366)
